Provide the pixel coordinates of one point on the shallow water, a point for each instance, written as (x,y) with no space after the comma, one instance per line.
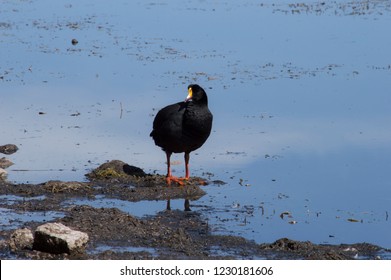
(13,219)
(299,93)
(138,209)
(103,248)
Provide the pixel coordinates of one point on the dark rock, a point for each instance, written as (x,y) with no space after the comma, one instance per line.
(133,170)
(8,149)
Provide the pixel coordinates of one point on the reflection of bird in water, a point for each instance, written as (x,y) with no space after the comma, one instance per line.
(183,127)
(186,205)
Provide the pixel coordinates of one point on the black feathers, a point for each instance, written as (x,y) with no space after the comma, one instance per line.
(184,126)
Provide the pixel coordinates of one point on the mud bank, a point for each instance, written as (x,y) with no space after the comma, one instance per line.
(170,234)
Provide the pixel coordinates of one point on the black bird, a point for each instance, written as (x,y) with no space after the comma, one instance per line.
(183,127)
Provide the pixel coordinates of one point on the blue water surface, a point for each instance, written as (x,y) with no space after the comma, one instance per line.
(300,95)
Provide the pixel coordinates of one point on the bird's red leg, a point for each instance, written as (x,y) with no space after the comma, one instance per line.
(168,156)
(187,157)
(169,176)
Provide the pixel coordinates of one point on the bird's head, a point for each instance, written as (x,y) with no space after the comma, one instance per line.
(196,94)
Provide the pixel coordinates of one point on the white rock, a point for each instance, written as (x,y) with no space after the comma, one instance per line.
(21,239)
(3,173)
(57,238)
(5,162)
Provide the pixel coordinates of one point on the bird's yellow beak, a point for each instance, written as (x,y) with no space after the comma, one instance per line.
(190,94)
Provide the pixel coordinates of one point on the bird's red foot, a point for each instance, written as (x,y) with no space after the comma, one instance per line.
(180,181)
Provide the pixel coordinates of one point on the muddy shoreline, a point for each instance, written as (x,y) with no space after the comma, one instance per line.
(171,234)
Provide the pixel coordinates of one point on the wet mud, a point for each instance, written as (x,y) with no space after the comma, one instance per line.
(170,234)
